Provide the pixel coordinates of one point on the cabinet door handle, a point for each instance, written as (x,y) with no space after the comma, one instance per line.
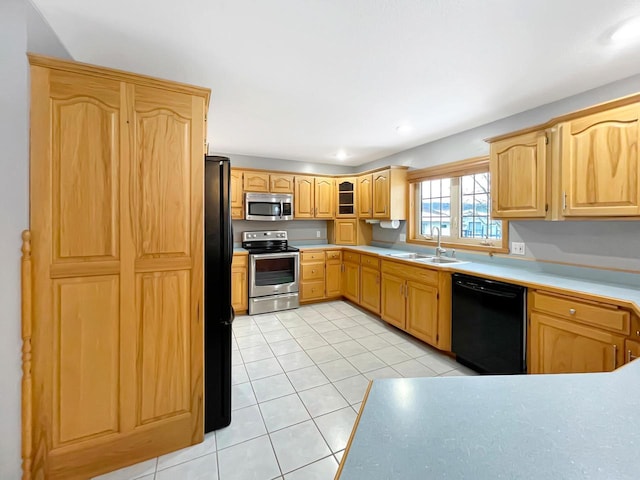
(572,311)
(615,357)
(402,289)
(630,356)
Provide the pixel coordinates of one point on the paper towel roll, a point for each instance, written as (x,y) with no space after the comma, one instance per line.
(390,224)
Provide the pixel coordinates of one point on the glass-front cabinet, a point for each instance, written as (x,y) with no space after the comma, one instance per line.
(346,197)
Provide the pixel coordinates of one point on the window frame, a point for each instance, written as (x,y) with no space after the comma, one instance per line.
(456,169)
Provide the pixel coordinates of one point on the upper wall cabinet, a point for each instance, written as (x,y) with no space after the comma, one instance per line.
(365,196)
(313,197)
(237,195)
(589,168)
(519,176)
(600,174)
(257,181)
(389,200)
(346,197)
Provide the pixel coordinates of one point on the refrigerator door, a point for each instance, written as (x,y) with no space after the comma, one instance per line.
(218,313)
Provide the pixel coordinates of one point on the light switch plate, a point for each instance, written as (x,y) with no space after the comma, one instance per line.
(517,248)
(402,237)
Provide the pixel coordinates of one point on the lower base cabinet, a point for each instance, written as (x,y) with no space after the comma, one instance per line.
(351,281)
(239,284)
(561,346)
(333,274)
(422,311)
(393,300)
(370,289)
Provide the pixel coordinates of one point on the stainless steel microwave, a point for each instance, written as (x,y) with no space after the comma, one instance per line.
(268,206)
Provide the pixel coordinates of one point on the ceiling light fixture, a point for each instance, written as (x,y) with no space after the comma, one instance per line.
(342,155)
(627,31)
(404,129)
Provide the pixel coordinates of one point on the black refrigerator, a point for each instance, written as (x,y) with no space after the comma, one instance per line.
(218,313)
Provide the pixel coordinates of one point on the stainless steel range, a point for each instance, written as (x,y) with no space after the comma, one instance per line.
(274,269)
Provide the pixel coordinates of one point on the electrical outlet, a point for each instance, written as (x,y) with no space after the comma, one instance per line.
(517,248)
(402,237)
(318,234)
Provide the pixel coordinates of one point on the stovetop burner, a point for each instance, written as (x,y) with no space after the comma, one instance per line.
(266,241)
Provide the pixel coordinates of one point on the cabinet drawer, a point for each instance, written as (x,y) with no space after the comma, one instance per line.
(240,260)
(418,274)
(604,316)
(313,256)
(351,257)
(312,290)
(334,255)
(370,261)
(312,271)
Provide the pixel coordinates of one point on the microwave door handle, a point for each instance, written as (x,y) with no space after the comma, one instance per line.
(281,209)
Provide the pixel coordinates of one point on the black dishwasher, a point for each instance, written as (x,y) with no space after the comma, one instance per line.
(488,321)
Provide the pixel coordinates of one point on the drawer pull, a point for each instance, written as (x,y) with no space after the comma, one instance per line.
(630,356)
(313,271)
(637,333)
(572,311)
(615,357)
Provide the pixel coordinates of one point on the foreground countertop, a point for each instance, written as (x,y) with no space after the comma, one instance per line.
(538,427)
(588,284)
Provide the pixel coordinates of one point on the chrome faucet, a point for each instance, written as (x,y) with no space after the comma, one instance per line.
(439,249)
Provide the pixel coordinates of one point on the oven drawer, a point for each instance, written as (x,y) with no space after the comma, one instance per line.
(312,271)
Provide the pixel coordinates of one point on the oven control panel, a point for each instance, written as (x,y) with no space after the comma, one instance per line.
(264,235)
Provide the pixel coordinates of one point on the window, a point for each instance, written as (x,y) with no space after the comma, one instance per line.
(456,199)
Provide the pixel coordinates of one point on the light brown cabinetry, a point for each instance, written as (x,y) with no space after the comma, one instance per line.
(351,276)
(255,181)
(333,273)
(570,335)
(313,197)
(237,195)
(365,196)
(370,283)
(312,275)
(389,199)
(346,197)
(117,243)
(631,350)
(600,171)
(281,183)
(239,283)
(591,162)
(410,300)
(519,176)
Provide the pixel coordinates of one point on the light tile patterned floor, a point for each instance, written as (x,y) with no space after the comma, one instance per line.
(298,381)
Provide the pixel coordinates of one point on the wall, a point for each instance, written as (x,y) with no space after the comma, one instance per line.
(285,165)
(14,130)
(611,244)
(299,231)
(22,29)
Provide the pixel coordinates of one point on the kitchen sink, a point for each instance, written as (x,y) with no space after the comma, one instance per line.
(441,260)
(410,256)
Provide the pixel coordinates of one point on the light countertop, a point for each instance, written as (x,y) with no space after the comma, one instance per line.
(527,275)
(538,427)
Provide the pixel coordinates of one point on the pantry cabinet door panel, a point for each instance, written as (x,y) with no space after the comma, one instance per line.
(163,345)
(163,166)
(86,361)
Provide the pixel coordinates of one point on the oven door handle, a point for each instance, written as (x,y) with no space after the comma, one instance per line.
(262,256)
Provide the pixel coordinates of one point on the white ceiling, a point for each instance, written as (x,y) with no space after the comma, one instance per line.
(300,79)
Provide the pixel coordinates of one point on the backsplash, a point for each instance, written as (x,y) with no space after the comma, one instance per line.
(603,244)
(305,231)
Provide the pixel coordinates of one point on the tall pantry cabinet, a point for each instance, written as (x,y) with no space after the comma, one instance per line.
(113,272)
